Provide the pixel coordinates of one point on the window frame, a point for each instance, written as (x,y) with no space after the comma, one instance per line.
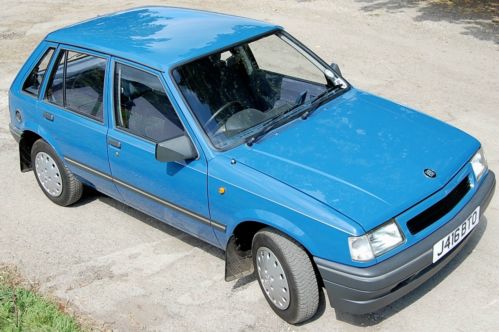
(147,70)
(64,48)
(32,66)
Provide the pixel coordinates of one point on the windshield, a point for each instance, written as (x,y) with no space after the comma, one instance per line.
(234,92)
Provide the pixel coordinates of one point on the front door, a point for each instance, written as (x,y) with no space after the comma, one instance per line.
(174,192)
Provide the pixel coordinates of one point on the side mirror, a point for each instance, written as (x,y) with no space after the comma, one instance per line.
(176,149)
(336,68)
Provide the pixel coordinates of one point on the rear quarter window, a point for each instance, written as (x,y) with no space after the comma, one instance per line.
(34,80)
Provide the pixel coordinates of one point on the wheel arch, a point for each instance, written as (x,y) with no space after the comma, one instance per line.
(29,136)
(238,255)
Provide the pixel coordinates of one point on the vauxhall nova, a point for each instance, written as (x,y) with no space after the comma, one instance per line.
(233,131)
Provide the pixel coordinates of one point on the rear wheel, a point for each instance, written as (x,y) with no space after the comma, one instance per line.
(285,275)
(54,178)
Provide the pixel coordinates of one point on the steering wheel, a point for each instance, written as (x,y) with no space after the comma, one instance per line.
(222,110)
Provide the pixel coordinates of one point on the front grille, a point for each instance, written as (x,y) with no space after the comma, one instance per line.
(439,209)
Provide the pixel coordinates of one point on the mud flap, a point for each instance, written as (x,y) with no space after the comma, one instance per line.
(238,263)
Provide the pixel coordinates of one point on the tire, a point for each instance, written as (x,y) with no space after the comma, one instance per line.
(54,178)
(299,274)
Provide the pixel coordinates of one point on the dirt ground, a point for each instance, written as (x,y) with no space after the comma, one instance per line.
(130,272)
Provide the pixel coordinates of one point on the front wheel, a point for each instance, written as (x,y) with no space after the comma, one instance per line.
(54,178)
(286,276)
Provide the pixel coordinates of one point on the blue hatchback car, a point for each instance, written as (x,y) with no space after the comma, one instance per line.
(233,131)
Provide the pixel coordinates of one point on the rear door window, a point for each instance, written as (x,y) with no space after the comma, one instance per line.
(55,88)
(34,80)
(85,83)
(77,83)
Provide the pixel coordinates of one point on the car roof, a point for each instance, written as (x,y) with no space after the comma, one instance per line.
(160,37)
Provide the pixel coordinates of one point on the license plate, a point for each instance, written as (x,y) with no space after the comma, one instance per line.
(442,247)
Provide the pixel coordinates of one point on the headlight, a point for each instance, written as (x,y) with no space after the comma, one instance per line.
(479,164)
(360,249)
(376,242)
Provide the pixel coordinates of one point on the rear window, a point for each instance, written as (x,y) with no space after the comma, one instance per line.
(34,80)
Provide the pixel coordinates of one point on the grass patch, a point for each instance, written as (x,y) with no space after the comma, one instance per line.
(22,309)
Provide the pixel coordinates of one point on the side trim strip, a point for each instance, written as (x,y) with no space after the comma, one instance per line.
(89,169)
(217,225)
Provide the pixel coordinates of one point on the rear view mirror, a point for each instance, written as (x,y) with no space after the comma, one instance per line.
(336,68)
(176,149)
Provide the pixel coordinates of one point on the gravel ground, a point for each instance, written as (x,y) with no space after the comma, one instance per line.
(128,271)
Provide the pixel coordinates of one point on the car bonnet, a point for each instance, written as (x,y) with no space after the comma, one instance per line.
(362,155)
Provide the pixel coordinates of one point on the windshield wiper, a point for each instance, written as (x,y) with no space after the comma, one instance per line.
(320,99)
(278,120)
(271,125)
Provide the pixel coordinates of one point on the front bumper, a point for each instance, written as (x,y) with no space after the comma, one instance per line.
(363,290)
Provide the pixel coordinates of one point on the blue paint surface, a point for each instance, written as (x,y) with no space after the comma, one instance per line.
(160,36)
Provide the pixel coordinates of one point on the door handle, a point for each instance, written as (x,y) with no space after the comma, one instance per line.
(48,116)
(113,142)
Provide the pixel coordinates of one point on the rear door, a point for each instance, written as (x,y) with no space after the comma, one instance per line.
(175,192)
(73,111)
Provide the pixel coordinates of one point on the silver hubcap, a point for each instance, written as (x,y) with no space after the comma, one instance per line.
(272,277)
(48,174)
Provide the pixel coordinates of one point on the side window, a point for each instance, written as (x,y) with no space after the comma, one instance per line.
(84,81)
(142,106)
(77,83)
(55,87)
(34,80)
